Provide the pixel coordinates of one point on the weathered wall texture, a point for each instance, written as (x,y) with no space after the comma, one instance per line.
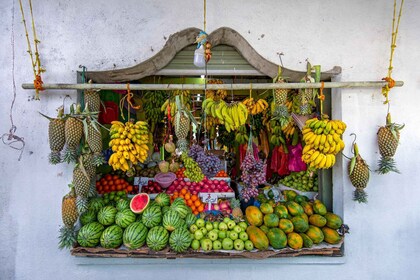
(103,35)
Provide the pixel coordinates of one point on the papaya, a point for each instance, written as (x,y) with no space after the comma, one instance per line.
(301,198)
(307,208)
(300,224)
(294,240)
(254,216)
(272,202)
(289,195)
(331,236)
(304,216)
(307,242)
(286,225)
(257,237)
(277,238)
(333,221)
(317,220)
(264,228)
(294,208)
(266,208)
(319,208)
(281,211)
(271,220)
(315,233)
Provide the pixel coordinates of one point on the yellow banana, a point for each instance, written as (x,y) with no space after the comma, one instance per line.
(317,140)
(319,159)
(314,156)
(328,161)
(322,162)
(323,139)
(306,148)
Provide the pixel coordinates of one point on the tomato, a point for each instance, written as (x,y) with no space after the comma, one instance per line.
(111,183)
(108,177)
(129,188)
(115,177)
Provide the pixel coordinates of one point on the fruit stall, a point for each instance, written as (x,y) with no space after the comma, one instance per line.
(186,167)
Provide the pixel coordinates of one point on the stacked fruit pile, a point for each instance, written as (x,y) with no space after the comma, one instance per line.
(296,223)
(192,169)
(224,235)
(222,174)
(151,187)
(305,181)
(322,142)
(191,200)
(129,144)
(180,173)
(208,163)
(206,186)
(110,183)
(231,115)
(149,172)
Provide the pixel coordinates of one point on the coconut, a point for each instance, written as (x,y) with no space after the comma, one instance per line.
(174,166)
(164,166)
(170,146)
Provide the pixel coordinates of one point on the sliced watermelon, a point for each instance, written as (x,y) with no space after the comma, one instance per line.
(139,202)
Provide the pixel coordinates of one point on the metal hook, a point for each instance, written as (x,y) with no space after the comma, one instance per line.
(280,54)
(354,141)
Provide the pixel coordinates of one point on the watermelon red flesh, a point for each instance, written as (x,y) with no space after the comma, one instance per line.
(139,202)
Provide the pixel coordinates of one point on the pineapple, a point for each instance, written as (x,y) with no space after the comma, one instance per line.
(73,135)
(388,139)
(359,175)
(280,94)
(235,204)
(91,172)
(92,99)
(82,204)
(182,125)
(56,136)
(94,140)
(81,180)
(69,216)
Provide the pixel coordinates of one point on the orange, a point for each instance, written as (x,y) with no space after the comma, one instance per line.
(175,196)
(193,207)
(187,196)
(194,197)
(189,202)
(197,203)
(201,208)
(195,212)
(184,191)
(176,193)
(129,188)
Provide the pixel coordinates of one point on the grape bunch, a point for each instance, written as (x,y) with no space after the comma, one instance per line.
(248,193)
(209,164)
(192,170)
(253,171)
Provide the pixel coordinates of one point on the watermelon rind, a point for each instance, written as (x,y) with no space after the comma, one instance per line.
(163,199)
(190,219)
(106,215)
(182,209)
(180,240)
(112,237)
(157,238)
(171,220)
(135,235)
(88,217)
(96,203)
(123,203)
(138,198)
(90,234)
(152,216)
(124,218)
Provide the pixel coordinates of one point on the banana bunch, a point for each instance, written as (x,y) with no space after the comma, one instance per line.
(276,137)
(129,144)
(218,94)
(231,115)
(323,142)
(241,136)
(211,122)
(153,102)
(185,93)
(170,105)
(255,107)
(289,129)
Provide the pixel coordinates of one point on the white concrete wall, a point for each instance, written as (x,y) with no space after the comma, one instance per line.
(103,34)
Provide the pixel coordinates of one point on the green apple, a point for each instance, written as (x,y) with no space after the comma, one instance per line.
(227,244)
(200,223)
(209,226)
(222,234)
(223,226)
(195,244)
(198,235)
(238,244)
(226,220)
(212,235)
(231,224)
(216,225)
(193,228)
(237,228)
(233,235)
(204,231)
(243,236)
(217,245)
(243,225)
(206,244)
(249,245)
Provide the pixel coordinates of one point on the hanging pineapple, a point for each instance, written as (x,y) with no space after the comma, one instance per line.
(388,139)
(73,132)
(359,175)
(69,216)
(93,138)
(56,136)
(87,159)
(279,110)
(183,119)
(305,96)
(92,99)
(81,183)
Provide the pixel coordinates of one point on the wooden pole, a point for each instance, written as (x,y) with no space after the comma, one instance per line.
(362,84)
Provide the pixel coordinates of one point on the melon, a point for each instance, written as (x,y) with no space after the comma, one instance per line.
(139,202)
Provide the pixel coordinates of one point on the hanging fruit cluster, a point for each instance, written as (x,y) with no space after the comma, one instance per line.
(216,95)
(241,136)
(231,115)
(359,175)
(129,144)
(322,142)
(255,107)
(170,106)
(192,170)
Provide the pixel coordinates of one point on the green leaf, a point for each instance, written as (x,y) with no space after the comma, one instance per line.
(352,165)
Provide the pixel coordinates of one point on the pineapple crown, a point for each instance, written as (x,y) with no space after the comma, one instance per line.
(393,127)
(356,156)
(235,203)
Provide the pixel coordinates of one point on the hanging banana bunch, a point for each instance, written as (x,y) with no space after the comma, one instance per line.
(358,174)
(232,115)
(170,106)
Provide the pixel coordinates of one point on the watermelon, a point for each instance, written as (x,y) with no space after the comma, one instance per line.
(190,219)
(165,209)
(135,235)
(180,240)
(163,199)
(178,201)
(124,218)
(96,203)
(106,215)
(139,202)
(182,209)
(157,238)
(138,218)
(152,216)
(112,237)
(123,204)
(90,234)
(171,220)
(88,217)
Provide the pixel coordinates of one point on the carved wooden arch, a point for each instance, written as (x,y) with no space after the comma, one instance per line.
(178,41)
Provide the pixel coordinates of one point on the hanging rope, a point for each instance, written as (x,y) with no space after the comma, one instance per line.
(321,98)
(10,139)
(35,60)
(391,83)
(130,105)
